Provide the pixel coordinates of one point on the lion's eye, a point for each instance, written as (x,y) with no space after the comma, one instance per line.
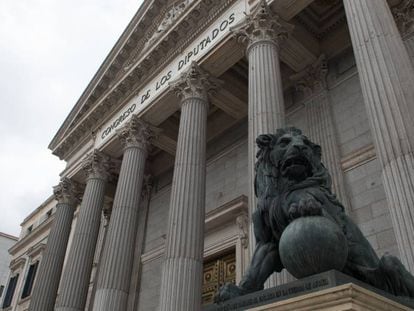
(284,141)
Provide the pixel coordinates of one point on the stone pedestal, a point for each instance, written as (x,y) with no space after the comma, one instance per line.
(75,280)
(47,282)
(181,283)
(387,79)
(118,254)
(327,291)
(348,297)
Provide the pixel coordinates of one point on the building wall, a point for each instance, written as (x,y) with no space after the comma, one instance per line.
(6,241)
(363,181)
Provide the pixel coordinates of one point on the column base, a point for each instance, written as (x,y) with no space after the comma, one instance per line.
(328,291)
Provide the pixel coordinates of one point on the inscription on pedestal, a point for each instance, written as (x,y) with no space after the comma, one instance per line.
(307,285)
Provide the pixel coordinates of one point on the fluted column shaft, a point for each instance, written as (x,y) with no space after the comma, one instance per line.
(118,254)
(266,112)
(48,278)
(181,284)
(387,80)
(312,83)
(75,280)
(322,131)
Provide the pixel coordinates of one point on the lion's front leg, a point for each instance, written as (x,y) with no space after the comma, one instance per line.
(264,262)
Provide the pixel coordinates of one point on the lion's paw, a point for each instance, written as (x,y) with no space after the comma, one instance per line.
(308,207)
(228,291)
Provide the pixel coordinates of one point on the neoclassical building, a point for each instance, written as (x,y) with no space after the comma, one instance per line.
(153,209)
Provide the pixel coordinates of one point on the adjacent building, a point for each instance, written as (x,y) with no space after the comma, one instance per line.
(153,210)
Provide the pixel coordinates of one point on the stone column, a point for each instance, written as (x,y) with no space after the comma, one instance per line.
(181,282)
(312,83)
(118,254)
(387,80)
(76,276)
(404,17)
(48,278)
(264,32)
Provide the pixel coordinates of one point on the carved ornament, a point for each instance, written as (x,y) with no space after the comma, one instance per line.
(262,25)
(313,78)
(136,133)
(172,14)
(242,222)
(97,165)
(404,17)
(195,83)
(67,192)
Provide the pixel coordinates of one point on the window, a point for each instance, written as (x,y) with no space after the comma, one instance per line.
(1,290)
(29,229)
(27,289)
(216,273)
(10,291)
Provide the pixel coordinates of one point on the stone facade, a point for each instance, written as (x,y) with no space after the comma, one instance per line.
(149,210)
(6,242)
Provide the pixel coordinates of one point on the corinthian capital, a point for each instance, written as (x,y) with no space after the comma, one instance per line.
(313,78)
(404,17)
(262,25)
(136,133)
(194,83)
(67,192)
(97,165)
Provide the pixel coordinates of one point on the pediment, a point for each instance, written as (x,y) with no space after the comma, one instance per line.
(153,20)
(131,41)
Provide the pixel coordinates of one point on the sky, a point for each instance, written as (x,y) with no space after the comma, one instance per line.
(49,51)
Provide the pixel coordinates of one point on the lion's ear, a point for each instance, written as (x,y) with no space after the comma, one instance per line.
(317,150)
(264,141)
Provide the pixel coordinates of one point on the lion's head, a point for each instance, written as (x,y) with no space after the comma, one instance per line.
(288,157)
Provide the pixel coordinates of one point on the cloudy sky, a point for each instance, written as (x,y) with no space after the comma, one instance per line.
(49,51)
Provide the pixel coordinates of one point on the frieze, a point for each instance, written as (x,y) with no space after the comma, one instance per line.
(205,42)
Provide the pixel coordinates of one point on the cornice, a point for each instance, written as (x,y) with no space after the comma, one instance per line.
(133,36)
(28,239)
(120,90)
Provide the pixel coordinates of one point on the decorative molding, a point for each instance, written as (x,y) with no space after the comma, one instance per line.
(358,158)
(136,133)
(124,84)
(242,222)
(404,17)
(225,213)
(262,25)
(67,192)
(36,250)
(147,186)
(195,83)
(153,254)
(173,13)
(97,165)
(17,263)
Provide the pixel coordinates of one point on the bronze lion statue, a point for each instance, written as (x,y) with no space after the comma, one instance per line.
(290,183)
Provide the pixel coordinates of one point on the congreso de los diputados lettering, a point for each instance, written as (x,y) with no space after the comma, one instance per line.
(154,208)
